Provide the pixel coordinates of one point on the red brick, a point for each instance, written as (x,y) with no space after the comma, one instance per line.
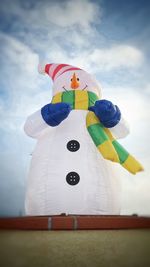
(24,223)
(84,222)
(62,223)
(112,222)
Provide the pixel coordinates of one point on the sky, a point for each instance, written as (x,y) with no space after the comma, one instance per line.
(108,38)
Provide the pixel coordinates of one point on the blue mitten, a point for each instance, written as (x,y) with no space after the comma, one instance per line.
(108,114)
(54,114)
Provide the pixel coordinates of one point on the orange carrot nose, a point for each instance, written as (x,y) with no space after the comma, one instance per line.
(74,82)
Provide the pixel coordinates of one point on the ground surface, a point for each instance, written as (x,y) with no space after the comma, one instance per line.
(105,248)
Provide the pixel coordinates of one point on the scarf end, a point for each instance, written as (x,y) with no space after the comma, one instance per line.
(132,165)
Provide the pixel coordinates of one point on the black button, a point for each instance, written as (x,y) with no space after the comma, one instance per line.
(72,178)
(73,145)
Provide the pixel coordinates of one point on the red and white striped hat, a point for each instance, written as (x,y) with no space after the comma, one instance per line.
(55,70)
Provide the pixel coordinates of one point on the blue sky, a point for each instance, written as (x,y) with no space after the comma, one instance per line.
(108,38)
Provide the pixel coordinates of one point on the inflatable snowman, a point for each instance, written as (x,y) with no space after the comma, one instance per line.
(71,170)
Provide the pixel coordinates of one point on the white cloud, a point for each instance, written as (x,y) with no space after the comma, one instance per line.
(66,32)
(71,13)
(25,89)
(64,14)
(147,89)
(19,60)
(116,56)
(132,101)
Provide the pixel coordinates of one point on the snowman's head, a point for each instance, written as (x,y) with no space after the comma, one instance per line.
(67,77)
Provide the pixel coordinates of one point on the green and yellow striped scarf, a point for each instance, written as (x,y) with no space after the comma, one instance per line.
(105,142)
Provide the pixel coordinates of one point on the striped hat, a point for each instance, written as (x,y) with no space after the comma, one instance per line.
(55,70)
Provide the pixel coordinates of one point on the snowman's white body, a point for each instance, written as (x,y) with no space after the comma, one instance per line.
(48,192)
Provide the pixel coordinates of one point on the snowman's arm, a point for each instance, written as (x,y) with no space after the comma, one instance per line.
(35,125)
(120,130)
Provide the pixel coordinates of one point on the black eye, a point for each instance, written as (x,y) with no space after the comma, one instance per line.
(77,79)
(71,80)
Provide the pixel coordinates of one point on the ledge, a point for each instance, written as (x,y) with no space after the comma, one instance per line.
(74,222)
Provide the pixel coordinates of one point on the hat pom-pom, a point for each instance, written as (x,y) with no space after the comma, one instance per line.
(41,68)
